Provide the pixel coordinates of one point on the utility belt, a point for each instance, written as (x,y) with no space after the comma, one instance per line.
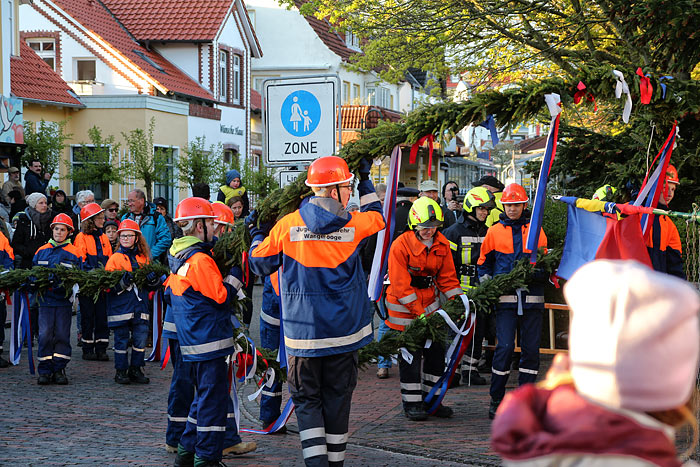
(422,282)
(467,270)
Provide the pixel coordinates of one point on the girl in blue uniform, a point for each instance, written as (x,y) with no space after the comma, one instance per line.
(54,307)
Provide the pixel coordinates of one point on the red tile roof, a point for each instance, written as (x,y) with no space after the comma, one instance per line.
(354,115)
(93,16)
(32,78)
(323,30)
(171,20)
(255,100)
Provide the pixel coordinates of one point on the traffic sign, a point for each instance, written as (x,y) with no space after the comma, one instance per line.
(300,119)
(288,176)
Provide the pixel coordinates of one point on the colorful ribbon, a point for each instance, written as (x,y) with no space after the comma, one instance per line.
(553,103)
(414,151)
(620,88)
(645,88)
(278,424)
(20,330)
(663,86)
(385,236)
(156,355)
(581,93)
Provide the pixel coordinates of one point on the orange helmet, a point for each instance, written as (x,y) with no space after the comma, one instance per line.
(224,215)
(90,210)
(327,171)
(128,224)
(63,219)
(672,175)
(514,194)
(194,208)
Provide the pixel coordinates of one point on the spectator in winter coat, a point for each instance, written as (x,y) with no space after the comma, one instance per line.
(201,190)
(33,230)
(152,225)
(162,207)
(12,183)
(82,199)
(110,229)
(233,188)
(34,182)
(626,384)
(111,208)
(60,203)
(17,203)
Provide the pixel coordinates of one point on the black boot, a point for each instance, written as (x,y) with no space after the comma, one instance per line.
(89,356)
(443,412)
(184,458)
(44,380)
(473,378)
(415,413)
(4,363)
(136,375)
(102,356)
(59,377)
(493,407)
(122,377)
(198,462)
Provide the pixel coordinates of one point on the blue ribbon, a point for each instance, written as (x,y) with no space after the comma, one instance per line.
(21,330)
(490,124)
(663,86)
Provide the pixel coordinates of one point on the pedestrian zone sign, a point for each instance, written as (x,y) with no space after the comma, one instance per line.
(300,120)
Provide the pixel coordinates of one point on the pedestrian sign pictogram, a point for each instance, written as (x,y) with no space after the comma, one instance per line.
(300,119)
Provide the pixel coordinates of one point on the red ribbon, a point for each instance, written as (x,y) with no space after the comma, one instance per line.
(645,88)
(582,92)
(414,151)
(244,361)
(246,270)
(166,357)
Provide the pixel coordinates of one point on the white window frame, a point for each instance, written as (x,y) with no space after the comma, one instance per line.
(44,54)
(236,82)
(351,40)
(170,186)
(223,61)
(75,69)
(94,188)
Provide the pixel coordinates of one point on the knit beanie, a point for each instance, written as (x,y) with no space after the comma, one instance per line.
(33,199)
(231,174)
(634,337)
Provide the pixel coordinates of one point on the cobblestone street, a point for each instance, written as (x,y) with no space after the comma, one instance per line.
(94,421)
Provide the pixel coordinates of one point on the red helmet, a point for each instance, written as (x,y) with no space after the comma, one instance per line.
(128,224)
(327,171)
(194,208)
(514,194)
(672,175)
(224,215)
(90,210)
(63,219)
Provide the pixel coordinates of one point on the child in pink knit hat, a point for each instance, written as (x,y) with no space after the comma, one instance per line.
(626,384)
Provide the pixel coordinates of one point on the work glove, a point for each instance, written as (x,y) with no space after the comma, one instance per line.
(126,280)
(365,167)
(260,231)
(152,279)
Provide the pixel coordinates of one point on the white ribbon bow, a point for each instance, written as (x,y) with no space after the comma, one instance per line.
(620,88)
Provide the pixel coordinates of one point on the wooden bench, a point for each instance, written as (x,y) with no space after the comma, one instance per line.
(549,308)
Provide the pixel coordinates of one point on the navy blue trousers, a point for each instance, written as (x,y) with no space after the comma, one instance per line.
(530,329)
(206,423)
(181,398)
(54,338)
(93,322)
(271,398)
(137,328)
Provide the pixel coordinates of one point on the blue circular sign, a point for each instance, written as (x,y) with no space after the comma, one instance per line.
(300,113)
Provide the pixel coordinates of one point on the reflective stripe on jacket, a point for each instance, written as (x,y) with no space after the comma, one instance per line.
(465,239)
(132,303)
(198,298)
(503,246)
(323,291)
(95,253)
(410,257)
(50,256)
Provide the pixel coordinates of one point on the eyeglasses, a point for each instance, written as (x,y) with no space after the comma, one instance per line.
(113,209)
(126,236)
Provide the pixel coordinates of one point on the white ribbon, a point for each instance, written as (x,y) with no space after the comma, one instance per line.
(76,289)
(553,100)
(406,355)
(269,381)
(519,293)
(460,332)
(620,88)
(428,343)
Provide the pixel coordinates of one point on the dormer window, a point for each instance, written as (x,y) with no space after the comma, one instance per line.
(351,40)
(46,49)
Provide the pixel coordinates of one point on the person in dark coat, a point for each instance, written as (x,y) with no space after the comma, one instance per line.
(34,182)
(451,208)
(17,203)
(60,203)
(33,230)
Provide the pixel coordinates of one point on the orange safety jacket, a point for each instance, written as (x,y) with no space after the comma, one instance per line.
(124,305)
(664,246)
(409,257)
(87,246)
